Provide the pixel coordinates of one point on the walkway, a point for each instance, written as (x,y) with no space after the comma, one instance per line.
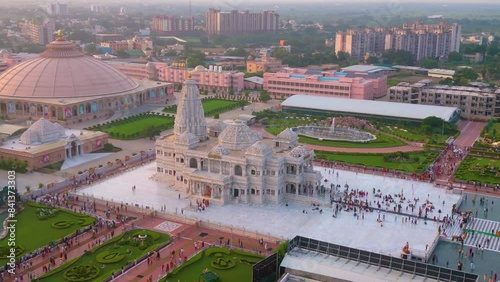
(469,132)
(482,232)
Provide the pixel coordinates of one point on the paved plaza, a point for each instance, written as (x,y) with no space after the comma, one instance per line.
(289,221)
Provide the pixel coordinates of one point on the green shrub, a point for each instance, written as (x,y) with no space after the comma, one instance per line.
(81,273)
(62,224)
(107,257)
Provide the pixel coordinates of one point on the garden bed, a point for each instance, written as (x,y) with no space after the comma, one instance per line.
(414,162)
(479,169)
(48,224)
(104,260)
(229,265)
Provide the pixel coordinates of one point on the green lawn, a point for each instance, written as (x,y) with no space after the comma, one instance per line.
(136,127)
(99,263)
(413,135)
(478,169)
(36,228)
(212,107)
(425,158)
(229,265)
(494,131)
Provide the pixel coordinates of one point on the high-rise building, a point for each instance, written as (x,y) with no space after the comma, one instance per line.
(172,25)
(423,41)
(39,31)
(234,22)
(96,8)
(57,9)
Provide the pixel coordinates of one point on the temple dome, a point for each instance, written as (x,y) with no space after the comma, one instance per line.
(42,131)
(238,136)
(259,149)
(219,126)
(63,72)
(288,135)
(219,151)
(299,151)
(199,68)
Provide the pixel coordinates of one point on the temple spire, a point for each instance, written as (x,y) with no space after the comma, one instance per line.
(190,115)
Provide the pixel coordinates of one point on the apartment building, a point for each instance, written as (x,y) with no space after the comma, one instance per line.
(236,22)
(211,78)
(423,41)
(39,31)
(116,45)
(59,9)
(291,81)
(474,102)
(263,64)
(172,25)
(107,37)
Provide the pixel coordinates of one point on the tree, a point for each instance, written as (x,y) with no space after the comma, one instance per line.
(429,63)
(238,52)
(231,91)
(372,60)
(398,57)
(91,49)
(264,96)
(446,81)
(122,54)
(343,56)
(152,131)
(465,73)
(455,57)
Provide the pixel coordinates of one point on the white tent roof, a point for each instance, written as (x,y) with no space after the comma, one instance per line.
(376,108)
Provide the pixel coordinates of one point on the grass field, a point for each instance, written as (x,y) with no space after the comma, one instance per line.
(409,77)
(99,263)
(494,132)
(37,228)
(377,160)
(135,127)
(413,135)
(229,265)
(212,107)
(478,169)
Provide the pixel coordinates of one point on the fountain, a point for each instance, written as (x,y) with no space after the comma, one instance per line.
(334,133)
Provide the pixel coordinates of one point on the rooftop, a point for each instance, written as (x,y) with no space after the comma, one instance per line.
(63,72)
(14,143)
(442,71)
(255,79)
(376,108)
(366,68)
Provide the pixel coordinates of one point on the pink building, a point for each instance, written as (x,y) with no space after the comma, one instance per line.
(292,81)
(209,79)
(11,59)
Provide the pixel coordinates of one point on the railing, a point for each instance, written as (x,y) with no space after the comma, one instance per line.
(393,263)
(104,171)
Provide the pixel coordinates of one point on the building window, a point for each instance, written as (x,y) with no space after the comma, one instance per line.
(253,172)
(238,170)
